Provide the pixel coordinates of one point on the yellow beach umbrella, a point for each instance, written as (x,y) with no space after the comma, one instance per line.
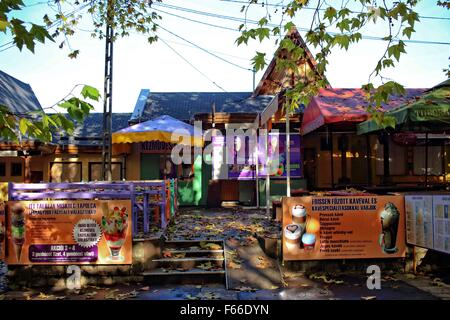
(164,128)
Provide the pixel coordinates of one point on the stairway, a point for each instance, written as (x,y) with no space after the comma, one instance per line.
(189,262)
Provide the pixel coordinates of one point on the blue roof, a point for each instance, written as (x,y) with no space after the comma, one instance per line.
(17,95)
(89,132)
(183,105)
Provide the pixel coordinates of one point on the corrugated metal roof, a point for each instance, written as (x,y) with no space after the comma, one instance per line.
(183,105)
(345,105)
(17,95)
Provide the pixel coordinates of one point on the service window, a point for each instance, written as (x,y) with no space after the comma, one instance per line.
(95,171)
(66,172)
(435,155)
(397,159)
(16,169)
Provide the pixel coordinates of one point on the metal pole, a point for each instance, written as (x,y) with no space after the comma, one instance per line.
(330,135)
(288,155)
(386,156)
(369,160)
(426,159)
(107,97)
(256,157)
(254,80)
(267,171)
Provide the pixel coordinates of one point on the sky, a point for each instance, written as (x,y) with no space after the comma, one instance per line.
(138,65)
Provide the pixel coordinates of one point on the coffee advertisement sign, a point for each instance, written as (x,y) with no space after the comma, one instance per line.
(343,227)
(69,232)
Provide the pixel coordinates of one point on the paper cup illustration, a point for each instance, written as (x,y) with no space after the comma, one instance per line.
(390,217)
(18,229)
(292,235)
(309,241)
(114,225)
(299,214)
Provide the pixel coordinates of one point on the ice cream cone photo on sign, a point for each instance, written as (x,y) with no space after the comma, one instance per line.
(114,225)
(18,229)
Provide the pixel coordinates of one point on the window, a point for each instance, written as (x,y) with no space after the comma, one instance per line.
(2,169)
(65,172)
(397,159)
(434,160)
(95,171)
(16,169)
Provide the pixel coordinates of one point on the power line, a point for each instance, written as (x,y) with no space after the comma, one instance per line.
(279,5)
(188,62)
(242,20)
(11,44)
(192,20)
(205,50)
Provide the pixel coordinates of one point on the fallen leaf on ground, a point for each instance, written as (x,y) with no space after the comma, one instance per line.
(242,288)
(438,282)
(127,295)
(44,296)
(233,265)
(90,295)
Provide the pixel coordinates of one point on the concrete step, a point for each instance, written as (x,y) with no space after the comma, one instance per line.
(196,263)
(189,259)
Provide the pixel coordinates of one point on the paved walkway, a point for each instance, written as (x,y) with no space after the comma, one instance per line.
(240,229)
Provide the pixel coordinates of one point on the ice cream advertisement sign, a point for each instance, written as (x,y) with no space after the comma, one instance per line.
(69,232)
(343,227)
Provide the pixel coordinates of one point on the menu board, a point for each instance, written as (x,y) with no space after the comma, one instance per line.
(419,220)
(343,227)
(69,232)
(441,205)
(428,221)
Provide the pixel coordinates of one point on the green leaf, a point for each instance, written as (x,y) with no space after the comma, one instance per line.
(90,92)
(408,31)
(288,26)
(263,33)
(263,22)
(23,125)
(330,13)
(4,25)
(259,61)
(74,54)
(40,33)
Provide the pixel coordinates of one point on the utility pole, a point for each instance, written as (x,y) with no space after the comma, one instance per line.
(254,76)
(107,96)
